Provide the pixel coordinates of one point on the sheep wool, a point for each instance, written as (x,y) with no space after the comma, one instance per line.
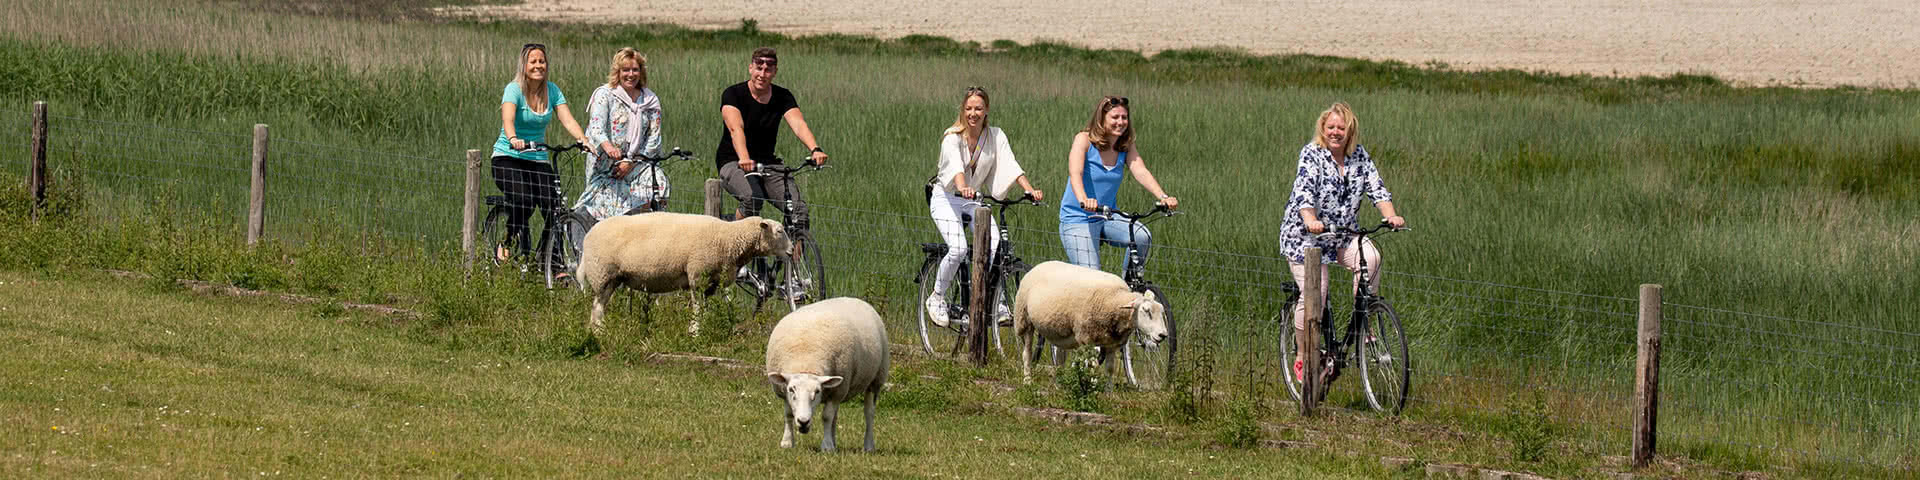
(823,354)
(661,252)
(1070,306)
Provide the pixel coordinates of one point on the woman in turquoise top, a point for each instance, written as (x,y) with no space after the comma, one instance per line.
(527,177)
(1101,157)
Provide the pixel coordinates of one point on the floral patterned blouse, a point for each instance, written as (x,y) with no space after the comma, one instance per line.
(1335,199)
(609,119)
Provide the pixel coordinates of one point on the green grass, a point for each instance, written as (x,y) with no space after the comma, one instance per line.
(1744,199)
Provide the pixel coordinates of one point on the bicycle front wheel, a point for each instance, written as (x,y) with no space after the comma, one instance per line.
(493,240)
(1003,324)
(805,279)
(562,256)
(1151,368)
(1289,348)
(1384,365)
(956,300)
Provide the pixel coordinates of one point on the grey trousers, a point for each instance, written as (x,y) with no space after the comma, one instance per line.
(751,191)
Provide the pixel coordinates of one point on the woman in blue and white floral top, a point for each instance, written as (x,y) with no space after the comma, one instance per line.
(1334,172)
(623,119)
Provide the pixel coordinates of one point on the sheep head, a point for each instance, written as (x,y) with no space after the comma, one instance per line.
(802,392)
(773,237)
(1149,318)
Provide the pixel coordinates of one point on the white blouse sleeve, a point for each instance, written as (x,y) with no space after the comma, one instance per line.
(951,162)
(1005,169)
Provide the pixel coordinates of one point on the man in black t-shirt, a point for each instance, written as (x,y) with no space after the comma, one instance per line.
(751,112)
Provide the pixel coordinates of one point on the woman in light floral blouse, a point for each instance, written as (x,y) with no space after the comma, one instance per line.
(623,121)
(1334,172)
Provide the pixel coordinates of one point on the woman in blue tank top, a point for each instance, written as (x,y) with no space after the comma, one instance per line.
(1101,157)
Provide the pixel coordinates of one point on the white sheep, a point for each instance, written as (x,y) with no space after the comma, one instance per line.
(1072,306)
(826,353)
(661,252)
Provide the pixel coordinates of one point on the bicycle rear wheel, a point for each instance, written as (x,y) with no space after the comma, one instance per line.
(1384,365)
(1151,368)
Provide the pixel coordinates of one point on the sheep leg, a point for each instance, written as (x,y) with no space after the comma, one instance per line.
(1026,342)
(601,295)
(786,439)
(1105,355)
(829,417)
(873,396)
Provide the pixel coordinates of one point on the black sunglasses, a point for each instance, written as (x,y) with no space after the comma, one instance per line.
(974,90)
(1116,101)
(532,46)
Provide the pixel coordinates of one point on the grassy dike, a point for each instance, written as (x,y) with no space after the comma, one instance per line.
(1749,199)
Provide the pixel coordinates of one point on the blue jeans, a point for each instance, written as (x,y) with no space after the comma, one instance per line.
(1082,240)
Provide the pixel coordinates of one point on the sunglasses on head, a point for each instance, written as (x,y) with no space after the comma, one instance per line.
(532,46)
(1116,101)
(975,90)
(766,61)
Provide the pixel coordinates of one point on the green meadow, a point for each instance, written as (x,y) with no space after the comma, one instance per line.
(1781,222)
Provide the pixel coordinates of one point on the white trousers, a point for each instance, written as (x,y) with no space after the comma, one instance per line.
(946,210)
(1349,256)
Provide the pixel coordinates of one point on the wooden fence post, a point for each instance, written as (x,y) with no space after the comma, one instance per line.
(470,208)
(1646,391)
(715,191)
(1308,339)
(257,200)
(37,159)
(979,309)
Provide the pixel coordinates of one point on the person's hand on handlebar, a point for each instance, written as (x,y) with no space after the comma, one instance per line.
(517,144)
(1396,222)
(1316,226)
(819,158)
(1089,205)
(746,165)
(965,192)
(1038,196)
(1171,202)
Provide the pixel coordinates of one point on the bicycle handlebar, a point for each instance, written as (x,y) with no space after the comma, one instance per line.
(1362,231)
(1026,198)
(779,168)
(677,153)
(541,147)
(1158,209)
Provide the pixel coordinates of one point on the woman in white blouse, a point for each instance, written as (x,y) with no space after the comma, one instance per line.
(974,159)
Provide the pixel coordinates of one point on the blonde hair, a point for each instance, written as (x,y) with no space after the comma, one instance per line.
(1353,128)
(1097,132)
(536,97)
(960,123)
(627,55)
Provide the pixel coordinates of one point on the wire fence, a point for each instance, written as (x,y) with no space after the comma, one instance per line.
(1782,389)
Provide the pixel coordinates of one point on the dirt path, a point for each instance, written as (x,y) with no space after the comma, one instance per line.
(1795,42)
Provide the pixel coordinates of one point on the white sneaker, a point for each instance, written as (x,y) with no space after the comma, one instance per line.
(937,310)
(1003,315)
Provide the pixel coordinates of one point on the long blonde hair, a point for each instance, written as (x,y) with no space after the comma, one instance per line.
(960,123)
(1353,128)
(627,54)
(1097,131)
(536,97)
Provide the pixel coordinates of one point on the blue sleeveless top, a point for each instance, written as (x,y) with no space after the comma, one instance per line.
(1102,184)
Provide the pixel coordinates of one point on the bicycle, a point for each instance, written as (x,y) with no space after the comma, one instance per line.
(656,199)
(1385,368)
(1003,273)
(802,277)
(559,247)
(1154,369)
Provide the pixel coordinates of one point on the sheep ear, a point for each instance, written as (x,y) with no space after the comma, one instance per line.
(831,382)
(777,379)
(1130,305)
(768,225)
(1149,295)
